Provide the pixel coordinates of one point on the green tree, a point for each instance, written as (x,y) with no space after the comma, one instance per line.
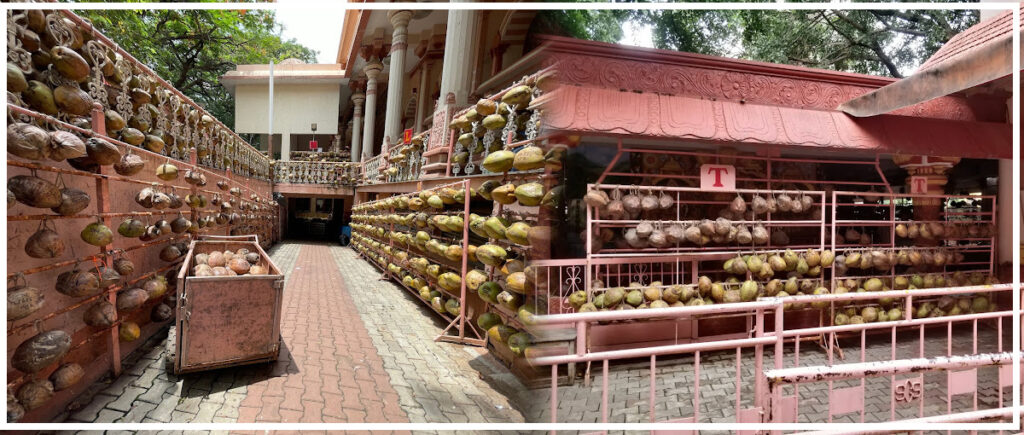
(192,49)
(887,42)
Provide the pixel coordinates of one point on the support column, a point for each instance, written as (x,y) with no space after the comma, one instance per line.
(934,169)
(421,103)
(396,74)
(357,125)
(286,146)
(1004,215)
(459,48)
(372,70)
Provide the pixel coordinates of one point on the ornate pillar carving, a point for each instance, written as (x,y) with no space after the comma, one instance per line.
(357,124)
(372,70)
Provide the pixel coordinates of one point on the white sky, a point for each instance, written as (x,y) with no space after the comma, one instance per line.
(319,30)
(641,35)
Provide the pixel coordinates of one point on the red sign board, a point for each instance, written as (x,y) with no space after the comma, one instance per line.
(717,178)
(312,145)
(407,136)
(919,185)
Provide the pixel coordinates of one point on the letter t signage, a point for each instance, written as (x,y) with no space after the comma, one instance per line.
(717,178)
(918,185)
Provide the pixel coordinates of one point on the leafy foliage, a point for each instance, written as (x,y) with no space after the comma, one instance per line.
(192,49)
(886,42)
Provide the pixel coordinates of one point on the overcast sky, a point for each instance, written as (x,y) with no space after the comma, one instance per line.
(318,30)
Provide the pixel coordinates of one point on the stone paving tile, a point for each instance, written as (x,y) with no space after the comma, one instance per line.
(420,370)
(629,383)
(319,317)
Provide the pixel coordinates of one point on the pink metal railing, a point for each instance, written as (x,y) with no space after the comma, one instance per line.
(770,405)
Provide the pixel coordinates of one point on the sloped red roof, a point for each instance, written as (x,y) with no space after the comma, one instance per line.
(972,38)
(593,110)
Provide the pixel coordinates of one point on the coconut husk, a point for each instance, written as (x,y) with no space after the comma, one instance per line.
(706,227)
(65,145)
(692,234)
(785,203)
(738,205)
(72,202)
(27,141)
(631,203)
(759,235)
(676,233)
(666,201)
(722,226)
(34,191)
(658,239)
(596,198)
(649,202)
(129,164)
(644,229)
(743,235)
(759,205)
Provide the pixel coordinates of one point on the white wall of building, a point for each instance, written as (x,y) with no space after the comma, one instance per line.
(296,106)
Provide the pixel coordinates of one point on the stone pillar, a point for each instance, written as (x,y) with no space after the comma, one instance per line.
(421,102)
(459,49)
(396,74)
(934,170)
(286,146)
(372,70)
(357,125)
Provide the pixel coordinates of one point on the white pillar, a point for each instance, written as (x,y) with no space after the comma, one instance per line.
(459,48)
(372,70)
(1004,211)
(396,75)
(421,103)
(286,146)
(357,125)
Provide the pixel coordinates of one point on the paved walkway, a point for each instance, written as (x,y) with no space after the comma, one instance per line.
(356,349)
(629,383)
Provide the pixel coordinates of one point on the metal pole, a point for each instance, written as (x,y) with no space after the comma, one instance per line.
(270,116)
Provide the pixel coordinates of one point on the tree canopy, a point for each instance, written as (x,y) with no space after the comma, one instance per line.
(191,49)
(882,42)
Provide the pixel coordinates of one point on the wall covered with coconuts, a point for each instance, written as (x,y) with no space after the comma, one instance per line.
(111,173)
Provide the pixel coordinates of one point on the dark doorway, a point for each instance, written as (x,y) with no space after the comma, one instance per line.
(315,218)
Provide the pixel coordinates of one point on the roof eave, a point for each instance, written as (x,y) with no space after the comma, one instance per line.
(976,67)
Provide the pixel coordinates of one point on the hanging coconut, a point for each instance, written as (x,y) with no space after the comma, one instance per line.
(131,227)
(102,152)
(35,393)
(40,97)
(69,63)
(45,243)
(64,145)
(113,121)
(132,136)
(27,141)
(34,191)
(167,172)
(161,312)
(72,202)
(124,266)
(131,299)
(66,375)
(108,276)
(22,301)
(101,314)
(129,164)
(97,234)
(72,100)
(41,351)
(78,283)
